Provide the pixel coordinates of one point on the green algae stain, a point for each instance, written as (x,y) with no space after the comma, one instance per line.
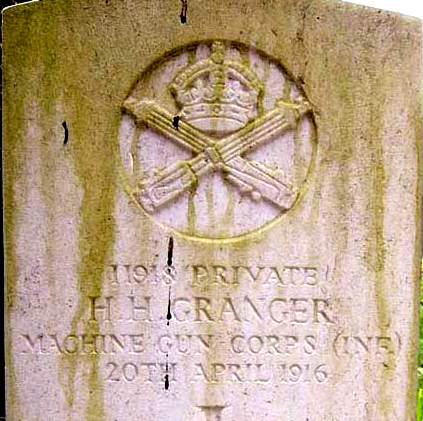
(287,87)
(341,154)
(93,140)
(17,93)
(379,259)
(96,234)
(95,408)
(418,259)
(375,256)
(11,271)
(415,118)
(210,203)
(191,212)
(228,217)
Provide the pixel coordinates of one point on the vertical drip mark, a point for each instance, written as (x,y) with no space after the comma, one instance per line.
(245,56)
(170,252)
(298,161)
(210,204)
(184,11)
(191,210)
(134,151)
(169,269)
(192,55)
(261,99)
(167,373)
(228,217)
(169,313)
(286,94)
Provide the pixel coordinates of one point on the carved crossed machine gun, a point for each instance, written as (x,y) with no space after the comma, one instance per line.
(224,155)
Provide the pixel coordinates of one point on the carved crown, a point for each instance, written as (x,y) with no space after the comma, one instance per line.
(217,95)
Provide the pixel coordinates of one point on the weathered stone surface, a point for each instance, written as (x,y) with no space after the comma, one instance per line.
(255,258)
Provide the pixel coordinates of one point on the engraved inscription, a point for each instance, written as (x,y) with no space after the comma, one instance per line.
(198,308)
(145,372)
(281,332)
(260,373)
(217,274)
(288,275)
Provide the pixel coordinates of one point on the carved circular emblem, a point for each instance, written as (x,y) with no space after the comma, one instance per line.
(216,141)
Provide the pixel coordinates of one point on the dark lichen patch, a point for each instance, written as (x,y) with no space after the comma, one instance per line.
(175,122)
(184,11)
(66,133)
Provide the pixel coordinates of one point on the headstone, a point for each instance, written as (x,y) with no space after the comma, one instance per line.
(212,210)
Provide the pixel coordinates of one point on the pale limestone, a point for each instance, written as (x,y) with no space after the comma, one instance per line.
(162,273)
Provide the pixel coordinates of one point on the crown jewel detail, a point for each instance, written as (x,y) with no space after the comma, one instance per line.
(217,95)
